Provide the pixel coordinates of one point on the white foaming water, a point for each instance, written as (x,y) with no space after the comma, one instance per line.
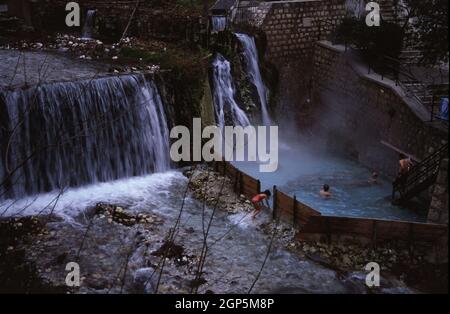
(130,192)
(219,23)
(252,65)
(242,220)
(224,101)
(81,133)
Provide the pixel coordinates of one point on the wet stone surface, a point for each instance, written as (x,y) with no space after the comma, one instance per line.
(44,67)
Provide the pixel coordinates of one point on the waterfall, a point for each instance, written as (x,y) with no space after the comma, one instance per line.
(88,25)
(254,73)
(219,23)
(75,133)
(224,102)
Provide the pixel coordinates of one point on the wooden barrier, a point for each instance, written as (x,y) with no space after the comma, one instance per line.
(375,230)
(312,224)
(242,182)
(290,210)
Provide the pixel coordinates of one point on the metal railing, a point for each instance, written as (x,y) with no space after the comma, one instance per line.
(403,76)
(420,176)
(245,15)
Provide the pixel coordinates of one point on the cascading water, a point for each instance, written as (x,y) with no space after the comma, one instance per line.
(89,24)
(70,134)
(224,101)
(219,23)
(254,73)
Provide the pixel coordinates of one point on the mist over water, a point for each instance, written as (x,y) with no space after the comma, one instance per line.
(303,170)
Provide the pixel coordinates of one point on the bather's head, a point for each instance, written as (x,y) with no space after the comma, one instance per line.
(326,187)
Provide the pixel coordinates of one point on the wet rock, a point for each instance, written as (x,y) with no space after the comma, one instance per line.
(170,250)
(215,190)
(145,280)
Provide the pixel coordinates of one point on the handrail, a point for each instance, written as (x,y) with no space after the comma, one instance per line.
(389,66)
(420,173)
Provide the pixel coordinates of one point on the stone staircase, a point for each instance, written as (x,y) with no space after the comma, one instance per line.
(411,56)
(428,95)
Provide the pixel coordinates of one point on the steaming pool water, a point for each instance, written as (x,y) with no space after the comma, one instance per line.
(303,172)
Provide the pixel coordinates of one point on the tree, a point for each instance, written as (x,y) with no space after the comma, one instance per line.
(429,22)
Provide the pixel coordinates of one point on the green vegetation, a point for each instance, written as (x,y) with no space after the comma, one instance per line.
(183,71)
(430,21)
(427,21)
(183,63)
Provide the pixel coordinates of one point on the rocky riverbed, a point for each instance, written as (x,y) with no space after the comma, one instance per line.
(402,267)
(67,58)
(147,230)
(216,190)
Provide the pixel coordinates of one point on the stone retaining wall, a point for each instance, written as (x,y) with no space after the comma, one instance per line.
(358,111)
(438,212)
(292,27)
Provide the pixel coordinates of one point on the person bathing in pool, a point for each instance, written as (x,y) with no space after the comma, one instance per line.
(257,201)
(374,178)
(325,192)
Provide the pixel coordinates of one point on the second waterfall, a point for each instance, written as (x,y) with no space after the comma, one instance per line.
(227,108)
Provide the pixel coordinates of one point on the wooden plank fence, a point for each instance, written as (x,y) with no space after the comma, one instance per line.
(243,183)
(290,210)
(374,230)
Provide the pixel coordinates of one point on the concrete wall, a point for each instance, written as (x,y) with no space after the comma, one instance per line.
(357,111)
(292,27)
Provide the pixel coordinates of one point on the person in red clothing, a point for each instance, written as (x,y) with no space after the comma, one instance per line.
(257,201)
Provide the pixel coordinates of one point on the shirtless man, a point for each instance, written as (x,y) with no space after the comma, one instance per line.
(325,192)
(405,164)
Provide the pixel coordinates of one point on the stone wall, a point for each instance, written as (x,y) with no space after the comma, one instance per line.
(439,204)
(357,111)
(292,27)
